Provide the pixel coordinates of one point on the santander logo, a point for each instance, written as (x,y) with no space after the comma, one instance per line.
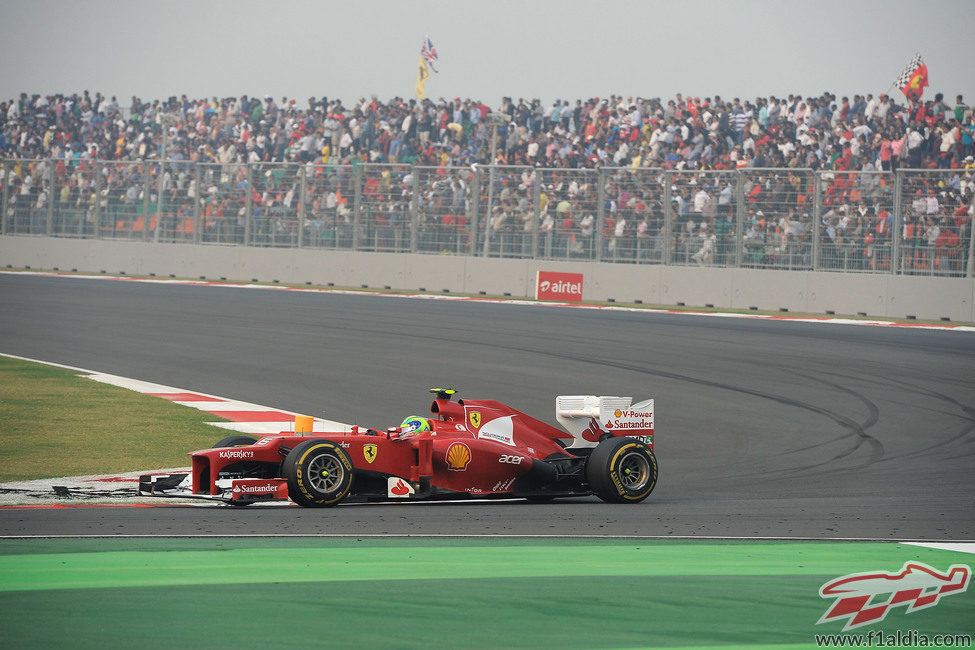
(400,489)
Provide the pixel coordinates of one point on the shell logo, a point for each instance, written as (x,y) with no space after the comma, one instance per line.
(458,456)
(618,413)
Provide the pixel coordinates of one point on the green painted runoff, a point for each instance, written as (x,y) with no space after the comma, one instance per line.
(441,593)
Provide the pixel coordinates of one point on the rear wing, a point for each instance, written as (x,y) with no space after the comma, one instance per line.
(589,417)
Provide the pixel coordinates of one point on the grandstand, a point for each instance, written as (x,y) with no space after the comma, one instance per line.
(796,183)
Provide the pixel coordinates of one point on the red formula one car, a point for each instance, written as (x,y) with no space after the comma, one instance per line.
(469,448)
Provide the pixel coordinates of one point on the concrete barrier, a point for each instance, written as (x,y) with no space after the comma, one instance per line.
(893,296)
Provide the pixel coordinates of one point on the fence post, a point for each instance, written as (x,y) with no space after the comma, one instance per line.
(475,209)
(971,249)
(97,216)
(49,228)
(146,192)
(5,198)
(198,205)
(817,219)
(356,203)
(668,218)
(415,209)
(897,223)
(488,209)
(537,212)
(601,173)
(83,213)
(302,197)
(740,215)
(248,204)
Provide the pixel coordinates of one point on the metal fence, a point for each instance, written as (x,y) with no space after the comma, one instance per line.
(908,222)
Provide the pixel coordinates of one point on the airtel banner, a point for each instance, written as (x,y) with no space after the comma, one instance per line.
(564,287)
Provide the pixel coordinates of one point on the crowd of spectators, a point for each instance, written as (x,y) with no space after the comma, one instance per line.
(685,132)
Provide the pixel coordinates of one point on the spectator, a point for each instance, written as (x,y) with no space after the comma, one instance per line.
(267,132)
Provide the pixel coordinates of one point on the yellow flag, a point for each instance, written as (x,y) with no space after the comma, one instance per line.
(422,74)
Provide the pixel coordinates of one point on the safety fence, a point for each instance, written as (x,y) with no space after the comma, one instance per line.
(906,222)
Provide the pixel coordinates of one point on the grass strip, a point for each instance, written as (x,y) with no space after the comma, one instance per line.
(55,423)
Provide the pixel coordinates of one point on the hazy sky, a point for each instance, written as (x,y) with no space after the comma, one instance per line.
(488,49)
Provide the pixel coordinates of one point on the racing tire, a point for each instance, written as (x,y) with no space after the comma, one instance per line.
(319,473)
(234,441)
(622,470)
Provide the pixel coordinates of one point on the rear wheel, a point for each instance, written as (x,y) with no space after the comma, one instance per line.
(319,473)
(622,470)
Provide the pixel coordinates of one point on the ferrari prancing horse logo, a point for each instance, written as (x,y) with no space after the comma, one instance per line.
(475,419)
(369,452)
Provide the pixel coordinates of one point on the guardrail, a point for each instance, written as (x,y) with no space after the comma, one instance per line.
(910,222)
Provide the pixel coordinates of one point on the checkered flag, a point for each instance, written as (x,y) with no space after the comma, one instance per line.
(905,77)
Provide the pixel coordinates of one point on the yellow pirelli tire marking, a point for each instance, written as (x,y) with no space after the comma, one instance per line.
(300,478)
(614,475)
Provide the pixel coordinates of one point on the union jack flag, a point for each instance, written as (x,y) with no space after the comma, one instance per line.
(429,53)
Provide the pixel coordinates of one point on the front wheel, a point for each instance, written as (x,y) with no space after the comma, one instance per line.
(319,473)
(234,441)
(622,470)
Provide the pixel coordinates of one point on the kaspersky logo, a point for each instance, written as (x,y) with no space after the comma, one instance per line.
(236,454)
(866,598)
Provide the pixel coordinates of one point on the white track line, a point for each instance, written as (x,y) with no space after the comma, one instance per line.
(959,547)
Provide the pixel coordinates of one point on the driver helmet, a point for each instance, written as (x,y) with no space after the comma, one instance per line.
(415,424)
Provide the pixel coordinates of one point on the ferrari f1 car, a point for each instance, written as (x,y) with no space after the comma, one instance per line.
(469,448)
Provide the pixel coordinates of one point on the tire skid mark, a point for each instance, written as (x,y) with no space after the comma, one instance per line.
(858,429)
(968,413)
(854,428)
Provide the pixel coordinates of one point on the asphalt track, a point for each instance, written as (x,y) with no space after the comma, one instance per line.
(769,429)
